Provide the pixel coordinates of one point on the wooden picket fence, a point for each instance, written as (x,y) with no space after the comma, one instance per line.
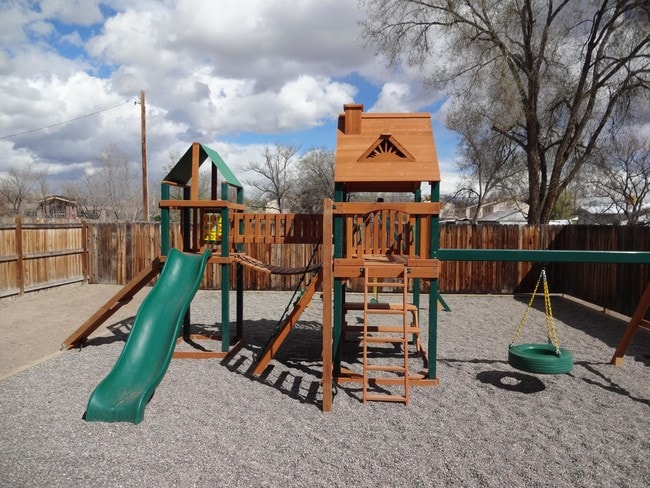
(34,256)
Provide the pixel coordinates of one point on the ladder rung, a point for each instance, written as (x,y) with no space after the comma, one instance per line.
(385,368)
(380,311)
(394,329)
(411,329)
(350,306)
(386,398)
(391,340)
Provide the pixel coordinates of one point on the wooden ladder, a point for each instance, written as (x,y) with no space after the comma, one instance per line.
(376,276)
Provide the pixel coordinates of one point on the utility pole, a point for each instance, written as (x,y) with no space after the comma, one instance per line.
(143,132)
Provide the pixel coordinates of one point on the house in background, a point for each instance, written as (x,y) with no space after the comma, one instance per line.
(498,212)
(602,211)
(57,207)
(504,213)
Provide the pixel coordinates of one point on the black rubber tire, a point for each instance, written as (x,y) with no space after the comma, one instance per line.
(540,359)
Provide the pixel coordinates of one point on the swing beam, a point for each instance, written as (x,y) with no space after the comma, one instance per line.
(544,256)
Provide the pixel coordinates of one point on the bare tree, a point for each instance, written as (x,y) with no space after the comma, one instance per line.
(556,72)
(18,185)
(88,206)
(488,160)
(275,175)
(315,180)
(42,184)
(622,176)
(114,186)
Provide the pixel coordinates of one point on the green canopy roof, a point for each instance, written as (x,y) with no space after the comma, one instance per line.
(182,172)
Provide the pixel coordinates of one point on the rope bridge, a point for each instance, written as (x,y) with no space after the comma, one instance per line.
(251,262)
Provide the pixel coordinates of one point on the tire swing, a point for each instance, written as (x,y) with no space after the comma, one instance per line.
(547,358)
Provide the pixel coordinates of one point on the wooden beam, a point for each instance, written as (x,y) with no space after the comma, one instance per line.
(120,299)
(196,149)
(630,330)
(413,208)
(205,204)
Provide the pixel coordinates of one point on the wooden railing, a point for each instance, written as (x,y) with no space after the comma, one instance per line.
(385,228)
(263,228)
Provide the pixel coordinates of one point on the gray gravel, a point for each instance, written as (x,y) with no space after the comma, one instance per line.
(214,425)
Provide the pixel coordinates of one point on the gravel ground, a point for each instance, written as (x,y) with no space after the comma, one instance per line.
(213,425)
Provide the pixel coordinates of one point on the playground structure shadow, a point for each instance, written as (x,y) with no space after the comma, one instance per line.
(116,332)
(294,365)
(296,368)
(607,384)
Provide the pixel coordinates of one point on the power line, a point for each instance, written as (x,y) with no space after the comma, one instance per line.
(64,122)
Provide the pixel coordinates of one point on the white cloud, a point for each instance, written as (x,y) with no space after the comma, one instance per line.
(450,181)
(394,97)
(41,28)
(13,19)
(78,12)
(14,157)
(210,73)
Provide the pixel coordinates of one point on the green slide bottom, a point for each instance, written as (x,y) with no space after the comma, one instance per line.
(123,395)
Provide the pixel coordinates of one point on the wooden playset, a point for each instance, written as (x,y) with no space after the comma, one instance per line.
(388,245)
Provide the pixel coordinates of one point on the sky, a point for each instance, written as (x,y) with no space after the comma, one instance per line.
(235,75)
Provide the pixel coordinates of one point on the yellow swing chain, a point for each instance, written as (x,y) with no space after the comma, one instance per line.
(523,319)
(550,323)
(551,333)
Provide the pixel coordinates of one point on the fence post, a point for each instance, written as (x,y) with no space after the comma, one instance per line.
(84,252)
(20,269)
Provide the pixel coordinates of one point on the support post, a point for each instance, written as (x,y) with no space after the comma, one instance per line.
(327,306)
(20,267)
(240,274)
(145,183)
(433,288)
(339,288)
(196,152)
(417,197)
(225,272)
(164,221)
(186,223)
(84,252)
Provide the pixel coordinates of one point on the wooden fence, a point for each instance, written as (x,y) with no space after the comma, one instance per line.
(34,256)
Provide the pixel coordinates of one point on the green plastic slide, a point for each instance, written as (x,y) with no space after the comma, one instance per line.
(123,395)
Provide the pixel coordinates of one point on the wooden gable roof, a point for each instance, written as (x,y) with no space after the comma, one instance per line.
(384,151)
